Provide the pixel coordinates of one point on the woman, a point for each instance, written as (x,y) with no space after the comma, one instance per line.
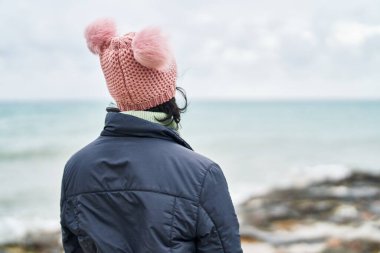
(139,187)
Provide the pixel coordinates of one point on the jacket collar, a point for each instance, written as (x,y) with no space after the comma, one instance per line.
(119,124)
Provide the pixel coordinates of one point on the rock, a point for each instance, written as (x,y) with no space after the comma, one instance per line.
(345,213)
(333,214)
(347,200)
(37,242)
(355,246)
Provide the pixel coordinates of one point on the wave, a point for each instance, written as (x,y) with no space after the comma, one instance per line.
(30,153)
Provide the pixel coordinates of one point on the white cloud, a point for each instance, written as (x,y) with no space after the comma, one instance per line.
(239,56)
(352,34)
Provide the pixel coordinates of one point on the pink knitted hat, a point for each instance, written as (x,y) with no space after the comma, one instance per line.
(139,68)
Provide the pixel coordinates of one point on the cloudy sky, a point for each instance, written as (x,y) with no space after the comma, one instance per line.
(272,49)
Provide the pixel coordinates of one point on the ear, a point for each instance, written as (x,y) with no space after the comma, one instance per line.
(98,34)
(151,49)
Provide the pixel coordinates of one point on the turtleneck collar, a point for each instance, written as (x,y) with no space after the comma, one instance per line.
(154,117)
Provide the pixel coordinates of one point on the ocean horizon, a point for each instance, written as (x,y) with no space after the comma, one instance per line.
(260,145)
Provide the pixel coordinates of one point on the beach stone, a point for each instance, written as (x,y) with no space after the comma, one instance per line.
(345,213)
(354,246)
(37,242)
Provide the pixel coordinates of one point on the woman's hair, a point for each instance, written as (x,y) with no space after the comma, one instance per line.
(171,108)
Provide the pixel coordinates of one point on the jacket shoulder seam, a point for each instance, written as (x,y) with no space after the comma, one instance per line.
(199,198)
(204,180)
(216,227)
(172,223)
(131,190)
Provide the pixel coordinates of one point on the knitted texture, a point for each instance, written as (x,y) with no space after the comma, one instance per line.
(133,85)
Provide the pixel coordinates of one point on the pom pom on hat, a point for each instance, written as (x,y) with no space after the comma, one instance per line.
(151,48)
(99,33)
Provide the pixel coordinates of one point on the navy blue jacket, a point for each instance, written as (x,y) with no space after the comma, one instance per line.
(138,188)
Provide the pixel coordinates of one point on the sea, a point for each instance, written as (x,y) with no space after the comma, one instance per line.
(260,145)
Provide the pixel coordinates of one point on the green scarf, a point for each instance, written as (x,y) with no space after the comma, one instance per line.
(152,117)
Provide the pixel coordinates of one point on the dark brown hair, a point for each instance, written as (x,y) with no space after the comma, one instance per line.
(171,108)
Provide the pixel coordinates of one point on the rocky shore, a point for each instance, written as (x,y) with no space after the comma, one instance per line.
(322,217)
(329,216)
(37,242)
